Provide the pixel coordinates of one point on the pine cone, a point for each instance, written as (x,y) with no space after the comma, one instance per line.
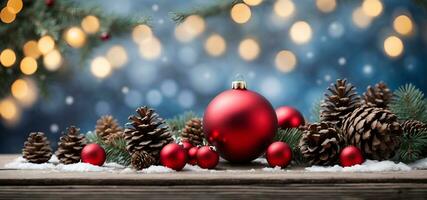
(379,96)
(341,100)
(37,148)
(70,146)
(193,132)
(146,132)
(413,126)
(141,160)
(321,144)
(375,131)
(108,129)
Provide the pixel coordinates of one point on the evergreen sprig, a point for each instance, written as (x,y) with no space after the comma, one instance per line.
(115,152)
(409,103)
(211,10)
(291,136)
(413,146)
(177,123)
(315,110)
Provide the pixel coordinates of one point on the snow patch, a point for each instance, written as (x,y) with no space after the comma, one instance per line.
(156,169)
(367,166)
(262,161)
(271,169)
(419,164)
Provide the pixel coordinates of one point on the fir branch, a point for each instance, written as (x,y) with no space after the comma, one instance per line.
(409,103)
(116,151)
(413,146)
(177,123)
(315,111)
(212,10)
(292,137)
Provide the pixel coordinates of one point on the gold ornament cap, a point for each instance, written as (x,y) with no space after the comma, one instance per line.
(239,85)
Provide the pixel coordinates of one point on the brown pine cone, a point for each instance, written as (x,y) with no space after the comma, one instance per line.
(413,126)
(375,131)
(37,148)
(321,144)
(341,100)
(108,129)
(142,160)
(193,132)
(70,146)
(379,96)
(146,132)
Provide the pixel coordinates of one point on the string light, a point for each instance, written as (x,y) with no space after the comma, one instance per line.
(215,45)
(75,37)
(372,8)
(141,33)
(360,19)
(100,67)
(7,16)
(300,32)
(31,49)
(240,13)
(403,25)
(9,110)
(151,49)
(284,8)
(192,27)
(28,65)
(46,44)
(53,60)
(249,49)
(326,6)
(117,56)
(285,61)
(7,57)
(253,2)
(90,24)
(15,6)
(393,46)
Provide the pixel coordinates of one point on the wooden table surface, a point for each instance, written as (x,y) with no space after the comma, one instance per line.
(237,181)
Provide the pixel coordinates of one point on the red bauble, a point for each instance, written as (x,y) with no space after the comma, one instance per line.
(49,3)
(207,158)
(93,154)
(173,156)
(186,145)
(350,156)
(105,36)
(279,154)
(240,123)
(289,117)
(192,155)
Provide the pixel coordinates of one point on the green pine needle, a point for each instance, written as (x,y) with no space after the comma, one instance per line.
(177,123)
(413,146)
(115,152)
(315,111)
(409,103)
(292,137)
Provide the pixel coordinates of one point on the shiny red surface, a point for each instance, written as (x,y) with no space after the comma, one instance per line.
(93,154)
(192,155)
(350,156)
(279,154)
(207,158)
(173,156)
(289,117)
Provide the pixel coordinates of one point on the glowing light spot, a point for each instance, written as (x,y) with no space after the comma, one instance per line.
(31,49)
(326,6)
(141,33)
(25,91)
(360,19)
(240,13)
(7,57)
(190,28)
(393,46)
(253,2)
(90,24)
(284,8)
(15,6)
(75,37)
(249,49)
(53,60)
(215,45)
(117,56)
(46,44)
(151,49)
(300,32)
(9,110)
(19,89)
(403,25)
(6,15)
(100,67)
(372,8)
(28,65)
(285,61)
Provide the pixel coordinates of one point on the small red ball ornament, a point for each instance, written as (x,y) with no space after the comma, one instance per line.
(240,123)
(207,158)
(93,154)
(173,156)
(289,117)
(49,3)
(192,155)
(279,154)
(105,36)
(186,145)
(350,156)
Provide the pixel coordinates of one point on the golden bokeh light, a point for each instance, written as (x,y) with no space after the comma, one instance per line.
(19,89)
(360,19)
(253,2)
(46,44)
(190,28)
(372,8)
(9,110)
(28,65)
(284,8)
(215,45)
(300,32)
(117,56)
(90,24)
(6,15)
(240,13)
(326,6)
(151,49)
(75,37)
(249,49)
(25,91)
(53,60)
(7,57)
(15,6)
(393,46)
(403,25)
(285,61)
(141,33)
(100,67)
(31,49)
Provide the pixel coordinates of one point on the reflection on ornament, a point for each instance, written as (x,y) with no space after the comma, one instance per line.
(7,57)
(28,65)
(240,13)
(117,56)
(393,46)
(285,61)
(253,2)
(90,24)
(326,6)
(75,37)
(249,49)
(300,32)
(215,45)
(141,33)
(7,16)
(31,49)
(15,6)
(284,8)
(150,49)
(53,60)
(372,8)
(360,19)
(403,25)
(100,67)
(46,44)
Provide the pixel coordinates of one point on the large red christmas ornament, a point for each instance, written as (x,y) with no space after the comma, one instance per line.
(240,123)
(279,154)
(192,155)
(93,154)
(350,156)
(207,158)
(289,117)
(173,156)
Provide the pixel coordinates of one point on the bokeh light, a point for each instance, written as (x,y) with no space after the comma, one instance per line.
(141,33)
(253,2)
(100,67)
(151,49)
(19,89)
(372,8)
(15,6)
(285,61)
(117,56)
(75,37)
(7,57)
(31,49)
(90,24)
(9,110)
(360,19)
(284,8)
(240,13)
(326,6)
(249,49)
(300,32)
(215,45)
(28,65)
(25,91)
(46,44)
(403,25)
(190,28)
(393,46)
(53,60)
(6,15)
